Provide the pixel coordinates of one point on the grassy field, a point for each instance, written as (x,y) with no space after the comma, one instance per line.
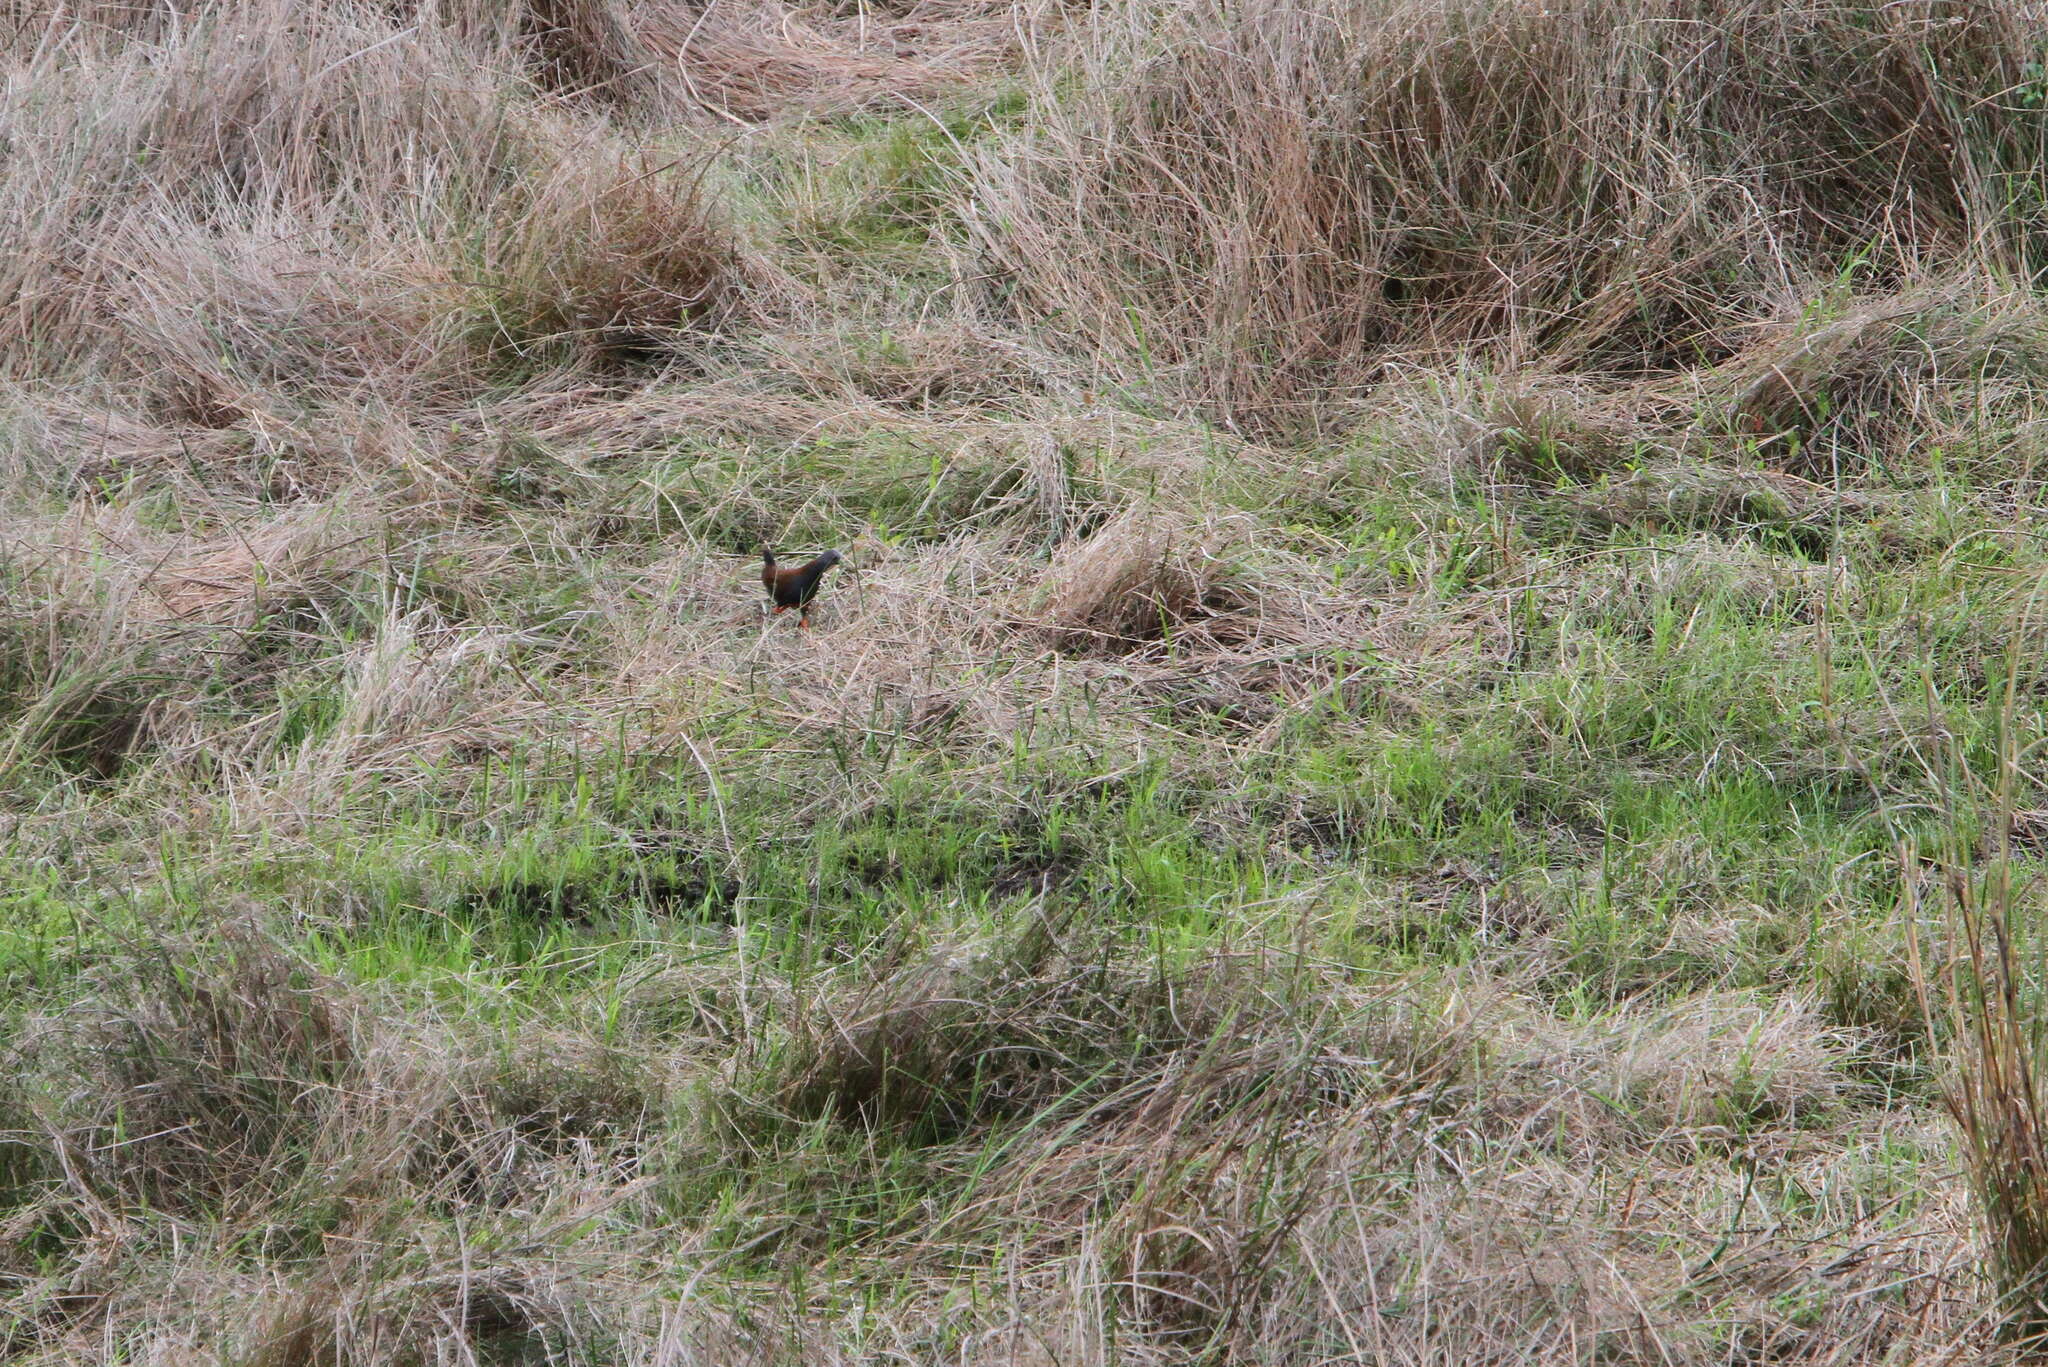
(1429,751)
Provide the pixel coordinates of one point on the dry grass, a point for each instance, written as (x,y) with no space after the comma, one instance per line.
(1406,873)
(1254,208)
(746,62)
(1139,578)
(274,213)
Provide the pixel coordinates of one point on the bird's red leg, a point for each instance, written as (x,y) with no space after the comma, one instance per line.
(779,610)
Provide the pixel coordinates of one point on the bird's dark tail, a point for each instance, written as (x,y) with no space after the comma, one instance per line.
(767,556)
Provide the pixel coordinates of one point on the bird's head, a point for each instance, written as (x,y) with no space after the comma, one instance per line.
(829,559)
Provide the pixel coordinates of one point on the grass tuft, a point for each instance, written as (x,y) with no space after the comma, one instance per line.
(1248,207)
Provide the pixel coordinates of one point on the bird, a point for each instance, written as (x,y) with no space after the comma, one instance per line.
(796,587)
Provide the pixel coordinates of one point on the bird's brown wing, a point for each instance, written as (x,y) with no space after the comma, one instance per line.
(784,586)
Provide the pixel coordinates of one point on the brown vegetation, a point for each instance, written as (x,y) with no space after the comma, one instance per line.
(1257,207)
